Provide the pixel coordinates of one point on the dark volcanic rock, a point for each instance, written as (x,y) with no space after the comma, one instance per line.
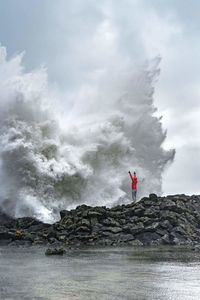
(153,197)
(172,220)
(55,251)
(160,220)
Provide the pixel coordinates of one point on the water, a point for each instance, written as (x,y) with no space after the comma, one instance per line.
(112,274)
(54,158)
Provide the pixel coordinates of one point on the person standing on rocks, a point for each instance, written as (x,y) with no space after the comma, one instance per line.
(134,185)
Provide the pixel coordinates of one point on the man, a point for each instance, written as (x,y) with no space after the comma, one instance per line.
(134,185)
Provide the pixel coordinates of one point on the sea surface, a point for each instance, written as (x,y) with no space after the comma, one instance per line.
(99,273)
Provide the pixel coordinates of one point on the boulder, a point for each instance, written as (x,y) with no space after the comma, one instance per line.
(64,213)
(153,197)
(55,251)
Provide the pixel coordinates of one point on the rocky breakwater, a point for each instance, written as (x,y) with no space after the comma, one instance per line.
(172,220)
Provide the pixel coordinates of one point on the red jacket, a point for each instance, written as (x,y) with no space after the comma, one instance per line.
(134,182)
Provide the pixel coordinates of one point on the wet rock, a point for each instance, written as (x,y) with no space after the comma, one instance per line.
(94,221)
(166,224)
(84,222)
(82,228)
(153,227)
(139,211)
(196,248)
(152,212)
(26,222)
(38,227)
(172,220)
(170,216)
(110,222)
(66,221)
(5,234)
(55,251)
(39,241)
(153,197)
(161,232)
(135,243)
(93,214)
(111,229)
(165,239)
(147,237)
(64,213)
(125,238)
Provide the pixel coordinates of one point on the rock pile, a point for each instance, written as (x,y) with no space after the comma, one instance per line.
(171,220)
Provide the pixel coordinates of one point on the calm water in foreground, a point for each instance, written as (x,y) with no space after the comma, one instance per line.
(117,273)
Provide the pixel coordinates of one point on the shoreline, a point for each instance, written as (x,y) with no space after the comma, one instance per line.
(152,221)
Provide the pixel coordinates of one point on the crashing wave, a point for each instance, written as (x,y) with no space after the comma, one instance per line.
(51,160)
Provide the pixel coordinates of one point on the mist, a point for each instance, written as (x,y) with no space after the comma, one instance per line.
(54,158)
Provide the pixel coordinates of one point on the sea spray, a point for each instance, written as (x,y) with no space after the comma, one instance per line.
(52,159)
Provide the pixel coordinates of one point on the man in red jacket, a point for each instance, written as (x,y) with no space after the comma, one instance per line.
(134,185)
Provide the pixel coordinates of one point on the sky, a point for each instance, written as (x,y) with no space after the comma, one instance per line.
(74,38)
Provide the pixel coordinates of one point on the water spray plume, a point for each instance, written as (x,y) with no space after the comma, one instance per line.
(51,161)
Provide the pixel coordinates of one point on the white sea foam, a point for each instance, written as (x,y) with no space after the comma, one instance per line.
(52,159)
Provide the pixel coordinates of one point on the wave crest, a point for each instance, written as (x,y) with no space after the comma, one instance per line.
(51,161)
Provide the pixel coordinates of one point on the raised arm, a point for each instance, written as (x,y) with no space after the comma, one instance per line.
(130,175)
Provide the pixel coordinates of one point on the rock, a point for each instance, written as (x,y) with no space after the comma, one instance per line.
(26,222)
(196,248)
(166,225)
(50,233)
(84,222)
(135,243)
(125,238)
(82,228)
(116,214)
(38,227)
(170,216)
(110,222)
(152,227)
(153,197)
(104,242)
(148,221)
(64,213)
(39,241)
(139,211)
(165,239)
(55,251)
(147,237)
(93,214)
(62,238)
(111,229)
(94,221)
(168,204)
(82,207)
(5,234)
(67,221)
(152,212)
(173,219)
(137,228)
(161,232)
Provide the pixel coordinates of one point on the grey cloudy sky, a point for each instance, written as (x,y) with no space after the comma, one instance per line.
(74,38)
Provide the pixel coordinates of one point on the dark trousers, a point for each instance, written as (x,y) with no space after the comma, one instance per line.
(134,192)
